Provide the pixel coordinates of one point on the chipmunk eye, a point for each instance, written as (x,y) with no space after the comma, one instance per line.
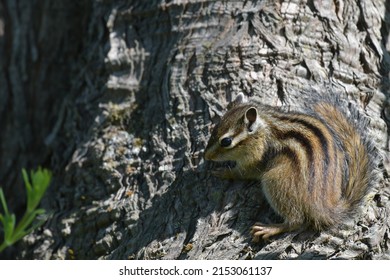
(226,142)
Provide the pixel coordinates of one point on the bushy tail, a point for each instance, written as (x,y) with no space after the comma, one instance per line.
(359,152)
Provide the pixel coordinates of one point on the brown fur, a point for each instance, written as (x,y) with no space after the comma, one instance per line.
(314,167)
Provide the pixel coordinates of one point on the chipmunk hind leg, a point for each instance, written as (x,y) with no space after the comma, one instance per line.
(265,231)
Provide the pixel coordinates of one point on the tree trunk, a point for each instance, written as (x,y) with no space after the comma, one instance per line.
(118,99)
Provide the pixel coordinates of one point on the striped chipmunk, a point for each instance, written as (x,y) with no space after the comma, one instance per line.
(314,167)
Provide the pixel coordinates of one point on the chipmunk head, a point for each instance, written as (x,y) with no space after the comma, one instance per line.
(229,139)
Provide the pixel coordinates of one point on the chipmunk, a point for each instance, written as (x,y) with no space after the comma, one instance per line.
(314,167)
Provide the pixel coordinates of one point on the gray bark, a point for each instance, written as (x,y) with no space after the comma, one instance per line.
(118,99)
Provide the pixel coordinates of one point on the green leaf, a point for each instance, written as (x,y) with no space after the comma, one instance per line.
(9,228)
(3,203)
(36,185)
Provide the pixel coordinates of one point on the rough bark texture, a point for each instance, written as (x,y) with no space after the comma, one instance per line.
(118,98)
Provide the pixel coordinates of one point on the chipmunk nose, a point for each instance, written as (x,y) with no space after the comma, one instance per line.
(208,153)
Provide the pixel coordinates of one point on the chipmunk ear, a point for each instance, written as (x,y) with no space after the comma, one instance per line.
(240,98)
(252,120)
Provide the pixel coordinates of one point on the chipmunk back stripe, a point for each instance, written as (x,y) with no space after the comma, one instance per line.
(315,129)
(326,140)
(305,142)
(271,153)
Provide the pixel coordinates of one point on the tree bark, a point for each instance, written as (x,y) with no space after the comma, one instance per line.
(118,99)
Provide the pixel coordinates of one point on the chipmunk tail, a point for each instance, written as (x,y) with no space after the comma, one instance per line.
(360,154)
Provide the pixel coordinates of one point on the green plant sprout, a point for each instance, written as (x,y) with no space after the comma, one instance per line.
(36,186)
